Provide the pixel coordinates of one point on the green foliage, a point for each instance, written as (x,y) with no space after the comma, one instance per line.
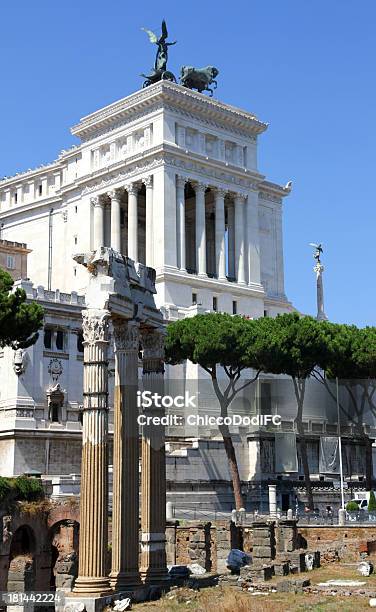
(352,506)
(21,488)
(372,502)
(19,321)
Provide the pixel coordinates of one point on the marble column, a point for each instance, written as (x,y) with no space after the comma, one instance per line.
(153,470)
(220,256)
(253,238)
(92,578)
(132,221)
(200,229)
(231,240)
(239,202)
(115,220)
(180,200)
(149,237)
(98,237)
(125,500)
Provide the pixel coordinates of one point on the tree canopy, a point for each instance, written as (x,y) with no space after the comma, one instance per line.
(19,321)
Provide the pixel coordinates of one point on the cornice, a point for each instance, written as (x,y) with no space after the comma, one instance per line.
(47,203)
(180,98)
(209,283)
(9,181)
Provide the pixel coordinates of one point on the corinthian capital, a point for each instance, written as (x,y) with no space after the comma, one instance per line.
(148,181)
(153,351)
(114,194)
(220,192)
(181,181)
(132,188)
(95,326)
(126,335)
(200,187)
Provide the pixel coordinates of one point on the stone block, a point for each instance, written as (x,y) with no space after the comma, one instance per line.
(261,541)
(298,559)
(317,560)
(262,551)
(292,586)
(282,569)
(262,532)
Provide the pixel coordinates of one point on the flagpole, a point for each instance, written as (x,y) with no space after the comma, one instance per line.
(340,449)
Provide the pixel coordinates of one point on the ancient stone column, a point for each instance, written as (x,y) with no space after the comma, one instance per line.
(153,469)
(92,579)
(239,239)
(125,498)
(132,221)
(200,229)
(115,220)
(220,256)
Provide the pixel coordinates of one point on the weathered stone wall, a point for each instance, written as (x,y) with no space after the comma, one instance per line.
(338,542)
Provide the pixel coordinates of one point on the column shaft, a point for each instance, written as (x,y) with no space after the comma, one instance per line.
(125,504)
(200,229)
(132,222)
(231,241)
(149,238)
(98,237)
(239,239)
(92,577)
(253,239)
(153,471)
(115,221)
(220,258)
(180,198)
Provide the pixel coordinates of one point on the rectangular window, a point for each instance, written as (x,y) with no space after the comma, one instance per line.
(234,307)
(47,338)
(265,398)
(15,198)
(266,314)
(11,263)
(60,340)
(215,304)
(194,299)
(75,209)
(80,342)
(75,240)
(40,190)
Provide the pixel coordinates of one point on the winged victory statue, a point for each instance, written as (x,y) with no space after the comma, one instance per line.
(160,71)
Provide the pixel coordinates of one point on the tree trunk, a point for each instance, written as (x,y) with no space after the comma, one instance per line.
(307,477)
(299,386)
(233,465)
(369,469)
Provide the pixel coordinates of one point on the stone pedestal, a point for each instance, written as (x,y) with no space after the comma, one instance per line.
(92,579)
(153,473)
(288,535)
(263,542)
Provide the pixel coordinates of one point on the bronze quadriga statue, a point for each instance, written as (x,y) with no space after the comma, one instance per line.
(199,78)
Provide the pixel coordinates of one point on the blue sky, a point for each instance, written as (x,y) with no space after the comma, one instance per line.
(305,67)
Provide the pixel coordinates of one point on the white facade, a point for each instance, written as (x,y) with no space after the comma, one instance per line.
(168,177)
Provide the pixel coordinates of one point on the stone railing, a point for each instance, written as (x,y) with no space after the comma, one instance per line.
(40,293)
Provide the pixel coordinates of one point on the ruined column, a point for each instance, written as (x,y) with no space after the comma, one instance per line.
(92,579)
(153,469)
(125,499)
